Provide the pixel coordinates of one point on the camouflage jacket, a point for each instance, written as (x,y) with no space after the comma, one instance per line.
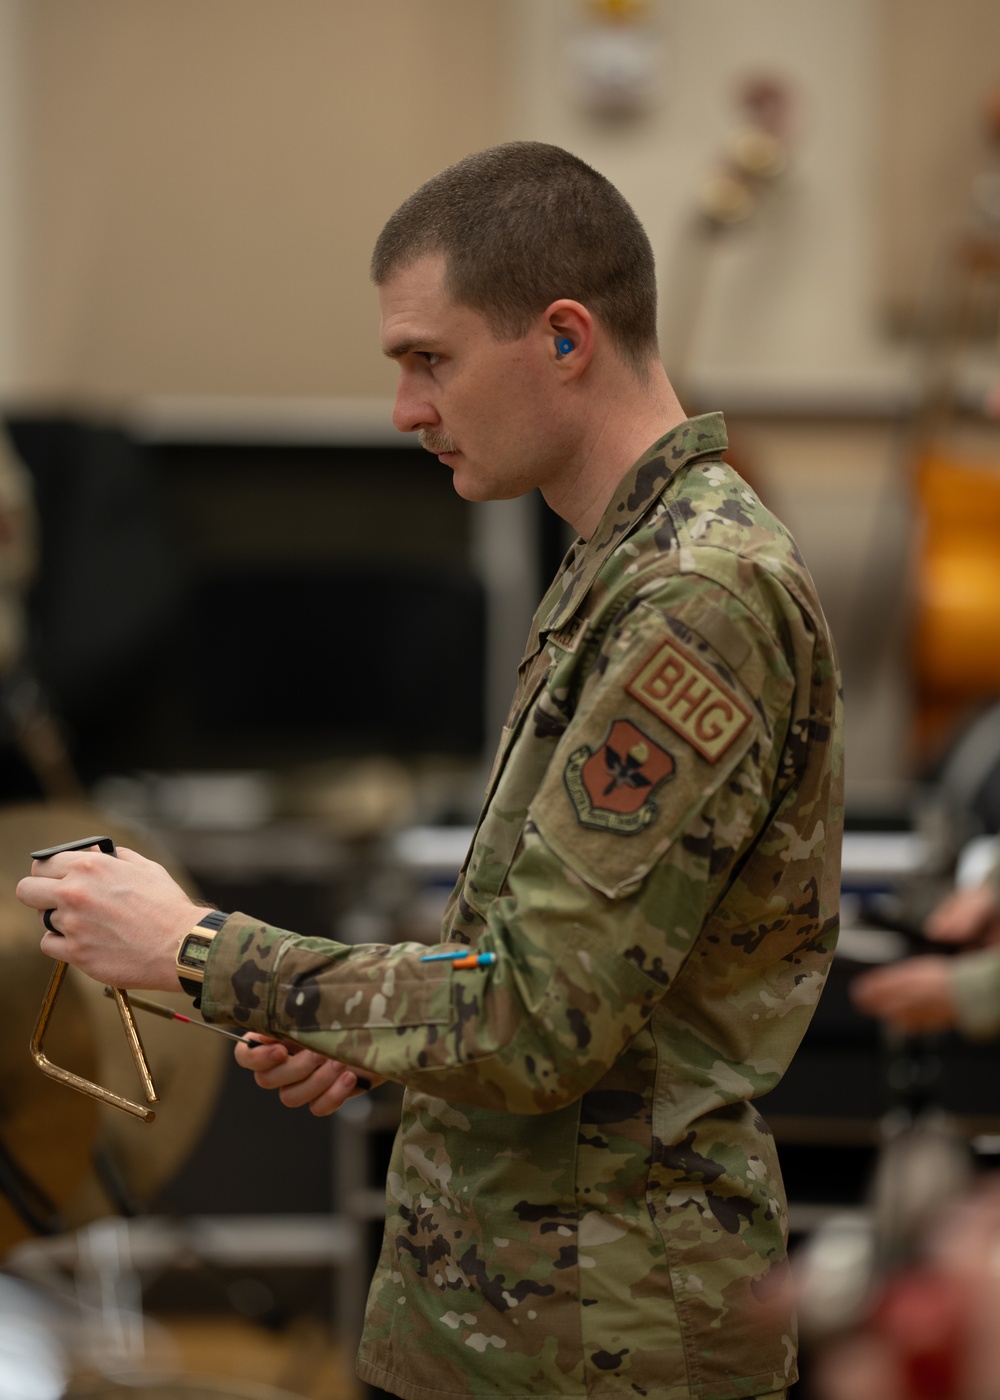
(582,1198)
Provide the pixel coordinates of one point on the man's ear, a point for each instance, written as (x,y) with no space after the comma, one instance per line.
(569,328)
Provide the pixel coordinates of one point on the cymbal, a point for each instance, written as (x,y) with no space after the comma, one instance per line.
(47,1131)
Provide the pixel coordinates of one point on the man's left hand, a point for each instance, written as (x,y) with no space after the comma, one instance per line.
(303,1078)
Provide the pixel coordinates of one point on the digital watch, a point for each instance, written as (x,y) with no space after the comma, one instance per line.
(192,953)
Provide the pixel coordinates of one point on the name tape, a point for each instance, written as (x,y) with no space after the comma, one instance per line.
(682,693)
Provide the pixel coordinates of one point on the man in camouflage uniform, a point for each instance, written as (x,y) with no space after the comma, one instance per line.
(583,1199)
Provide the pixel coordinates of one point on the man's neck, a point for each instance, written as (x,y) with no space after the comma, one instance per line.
(637,414)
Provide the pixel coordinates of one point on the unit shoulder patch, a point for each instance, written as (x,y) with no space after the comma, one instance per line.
(682,692)
(612,787)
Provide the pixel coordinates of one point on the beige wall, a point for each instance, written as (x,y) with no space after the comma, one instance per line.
(208,177)
(12,191)
(942,67)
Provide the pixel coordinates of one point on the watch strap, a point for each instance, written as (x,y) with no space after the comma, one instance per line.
(213,919)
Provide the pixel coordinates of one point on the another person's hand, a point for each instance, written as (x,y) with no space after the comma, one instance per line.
(302,1077)
(967,916)
(910,996)
(119,921)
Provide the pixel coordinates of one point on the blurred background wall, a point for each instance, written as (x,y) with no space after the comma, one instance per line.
(12,213)
(204,181)
(189,191)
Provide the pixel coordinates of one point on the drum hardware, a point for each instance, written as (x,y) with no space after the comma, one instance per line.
(112,1182)
(27,1197)
(25,712)
(132,1037)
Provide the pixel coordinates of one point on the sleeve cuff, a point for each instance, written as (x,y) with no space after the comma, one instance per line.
(238,973)
(993,874)
(975,986)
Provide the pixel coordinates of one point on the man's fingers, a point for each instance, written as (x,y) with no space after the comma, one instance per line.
(302,1077)
(259,1056)
(334,1098)
(38,892)
(326,1090)
(278,1071)
(53,946)
(131,857)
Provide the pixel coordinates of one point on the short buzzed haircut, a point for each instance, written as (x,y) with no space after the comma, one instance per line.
(522,225)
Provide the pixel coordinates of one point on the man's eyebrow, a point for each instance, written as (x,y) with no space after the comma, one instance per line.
(404,347)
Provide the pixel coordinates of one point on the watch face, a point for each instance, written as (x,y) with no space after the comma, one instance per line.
(194,952)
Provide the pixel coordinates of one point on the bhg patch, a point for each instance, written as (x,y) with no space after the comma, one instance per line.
(611,788)
(679,690)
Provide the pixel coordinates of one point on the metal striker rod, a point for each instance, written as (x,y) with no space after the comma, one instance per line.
(158,1009)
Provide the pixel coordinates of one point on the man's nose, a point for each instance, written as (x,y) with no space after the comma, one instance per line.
(411,410)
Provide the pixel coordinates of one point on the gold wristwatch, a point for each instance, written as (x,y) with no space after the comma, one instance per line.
(192,952)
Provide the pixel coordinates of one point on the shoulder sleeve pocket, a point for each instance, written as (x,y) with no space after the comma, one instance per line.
(661,725)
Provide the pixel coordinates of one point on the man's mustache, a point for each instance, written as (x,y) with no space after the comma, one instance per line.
(435,442)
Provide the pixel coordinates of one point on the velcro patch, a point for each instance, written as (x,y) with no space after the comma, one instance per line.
(568,637)
(612,788)
(680,691)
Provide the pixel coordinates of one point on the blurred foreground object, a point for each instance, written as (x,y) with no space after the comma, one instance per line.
(33,1362)
(886,1318)
(931,1332)
(891,1307)
(50,1350)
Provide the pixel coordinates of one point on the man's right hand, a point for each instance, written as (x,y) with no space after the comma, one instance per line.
(968,916)
(302,1077)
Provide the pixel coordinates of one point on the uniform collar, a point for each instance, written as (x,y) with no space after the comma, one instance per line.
(637,493)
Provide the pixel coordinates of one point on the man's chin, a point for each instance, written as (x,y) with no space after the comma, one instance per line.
(465,484)
(473,489)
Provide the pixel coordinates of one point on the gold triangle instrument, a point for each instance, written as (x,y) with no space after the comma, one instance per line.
(132,1037)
